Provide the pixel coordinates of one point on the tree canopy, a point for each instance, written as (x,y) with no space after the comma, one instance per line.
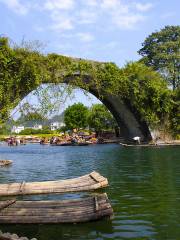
(21,71)
(161,50)
(148,92)
(75,116)
(99,118)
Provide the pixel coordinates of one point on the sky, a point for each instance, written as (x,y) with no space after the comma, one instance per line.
(103,30)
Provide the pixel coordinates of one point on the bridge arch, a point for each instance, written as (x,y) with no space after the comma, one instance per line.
(27,69)
(126,116)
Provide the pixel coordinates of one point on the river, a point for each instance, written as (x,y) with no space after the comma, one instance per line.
(144,188)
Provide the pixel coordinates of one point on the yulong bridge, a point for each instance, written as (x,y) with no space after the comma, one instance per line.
(23,70)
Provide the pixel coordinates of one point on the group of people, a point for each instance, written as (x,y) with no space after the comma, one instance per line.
(74,138)
(63,139)
(14,141)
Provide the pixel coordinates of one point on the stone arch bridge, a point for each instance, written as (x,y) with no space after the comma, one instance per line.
(128,118)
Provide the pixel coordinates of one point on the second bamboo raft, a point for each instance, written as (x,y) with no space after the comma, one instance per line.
(64,211)
(87,182)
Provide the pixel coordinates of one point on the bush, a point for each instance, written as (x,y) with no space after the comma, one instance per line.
(31,131)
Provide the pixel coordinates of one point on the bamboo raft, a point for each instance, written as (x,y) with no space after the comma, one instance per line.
(5,162)
(87,182)
(64,211)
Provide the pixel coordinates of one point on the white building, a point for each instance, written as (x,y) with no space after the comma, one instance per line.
(17,129)
(37,127)
(56,125)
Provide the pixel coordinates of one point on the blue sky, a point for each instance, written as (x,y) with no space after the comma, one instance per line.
(104,30)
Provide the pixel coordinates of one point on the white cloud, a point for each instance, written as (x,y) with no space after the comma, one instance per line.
(16,6)
(143,7)
(71,14)
(60,14)
(119,14)
(85,37)
(123,15)
(59,4)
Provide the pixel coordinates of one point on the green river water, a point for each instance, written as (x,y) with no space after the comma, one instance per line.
(144,188)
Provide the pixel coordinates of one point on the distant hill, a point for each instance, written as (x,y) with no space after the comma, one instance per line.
(30,123)
(57,118)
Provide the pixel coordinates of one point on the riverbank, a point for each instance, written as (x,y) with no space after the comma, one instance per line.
(57,139)
(37,139)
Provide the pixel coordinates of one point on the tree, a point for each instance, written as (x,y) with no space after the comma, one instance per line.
(148,93)
(21,71)
(5,129)
(75,116)
(161,50)
(100,118)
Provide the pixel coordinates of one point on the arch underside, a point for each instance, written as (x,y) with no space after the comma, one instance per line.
(127,117)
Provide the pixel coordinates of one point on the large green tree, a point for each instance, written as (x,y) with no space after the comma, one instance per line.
(148,92)
(75,116)
(100,118)
(161,50)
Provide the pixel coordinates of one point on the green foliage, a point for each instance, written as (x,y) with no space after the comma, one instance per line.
(4,130)
(175,113)
(62,129)
(100,118)
(22,70)
(148,92)
(161,50)
(75,116)
(31,131)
